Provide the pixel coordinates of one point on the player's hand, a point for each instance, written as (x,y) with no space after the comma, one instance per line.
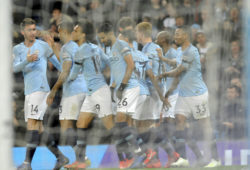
(120,91)
(32,57)
(112,90)
(119,94)
(161,76)
(166,103)
(48,38)
(228,125)
(50,98)
(159,53)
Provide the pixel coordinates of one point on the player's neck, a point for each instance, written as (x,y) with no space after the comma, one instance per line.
(146,40)
(66,39)
(80,42)
(166,47)
(203,45)
(185,45)
(113,40)
(28,43)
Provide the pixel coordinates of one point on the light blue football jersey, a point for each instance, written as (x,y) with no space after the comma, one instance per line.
(141,66)
(191,82)
(71,88)
(34,73)
(118,65)
(93,61)
(157,67)
(171,54)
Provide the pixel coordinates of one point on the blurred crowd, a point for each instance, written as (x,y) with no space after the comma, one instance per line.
(216,32)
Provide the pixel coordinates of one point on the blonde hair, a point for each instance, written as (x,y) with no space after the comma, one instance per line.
(145,28)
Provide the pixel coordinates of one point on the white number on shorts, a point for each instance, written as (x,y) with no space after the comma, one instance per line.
(97,106)
(201,109)
(123,102)
(34,109)
(60,109)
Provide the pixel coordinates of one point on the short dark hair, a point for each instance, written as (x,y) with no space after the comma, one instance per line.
(27,21)
(168,36)
(105,27)
(67,25)
(89,30)
(187,30)
(125,22)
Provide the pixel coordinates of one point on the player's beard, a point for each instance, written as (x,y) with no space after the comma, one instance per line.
(108,43)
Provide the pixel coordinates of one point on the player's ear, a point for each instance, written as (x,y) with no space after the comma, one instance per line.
(83,35)
(22,32)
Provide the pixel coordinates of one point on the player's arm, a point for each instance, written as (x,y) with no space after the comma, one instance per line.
(19,65)
(78,63)
(50,40)
(61,79)
(173,87)
(75,71)
(154,80)
(185,65)
(130,67)
(106,65)
(174,73)
(171,62)
(53,59)
(129,70)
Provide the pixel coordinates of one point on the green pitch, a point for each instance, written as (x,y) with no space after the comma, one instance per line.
(217,168)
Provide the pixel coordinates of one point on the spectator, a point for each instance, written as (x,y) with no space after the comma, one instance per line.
(236,22)
(169,18)
(206,50)
(58,16)
(233,116)
(235,62)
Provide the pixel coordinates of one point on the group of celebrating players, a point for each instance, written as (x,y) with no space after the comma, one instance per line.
(151,92)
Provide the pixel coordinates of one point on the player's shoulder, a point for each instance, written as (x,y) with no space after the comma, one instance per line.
(154,46)
(42,43)
(140,56)
(18,46)
(122,44)
(192,48)
(71,45)
(86,47)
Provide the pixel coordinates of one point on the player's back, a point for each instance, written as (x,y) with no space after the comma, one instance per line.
(141,65)
(35,78)
(191,83)
(157,67)
(71,88)
(118,65)
(94,61)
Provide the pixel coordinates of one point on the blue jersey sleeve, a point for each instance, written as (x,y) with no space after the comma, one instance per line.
(124,49)
(188,58)
(148,66)
(18,64)
(78,58)
(49,51)
(55,62)
(66,55)
(75,71)
(105,58)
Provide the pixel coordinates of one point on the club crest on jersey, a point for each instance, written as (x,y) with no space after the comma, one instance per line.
(36,52)
(114,57)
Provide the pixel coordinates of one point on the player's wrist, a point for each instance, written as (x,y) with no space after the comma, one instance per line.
(122,86)
(167,94)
